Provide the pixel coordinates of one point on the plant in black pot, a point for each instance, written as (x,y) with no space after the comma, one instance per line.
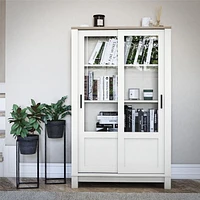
(26,126)
(54,114)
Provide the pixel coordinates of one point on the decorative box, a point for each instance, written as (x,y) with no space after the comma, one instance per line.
(134,93)
(148,94)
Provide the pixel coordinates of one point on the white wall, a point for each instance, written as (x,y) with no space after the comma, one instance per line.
(2,40)
(38,57)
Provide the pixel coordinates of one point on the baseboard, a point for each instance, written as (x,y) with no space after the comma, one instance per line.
(55,170)
(185,171)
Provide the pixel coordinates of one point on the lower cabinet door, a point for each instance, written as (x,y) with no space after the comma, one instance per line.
(98,153)
(141,155)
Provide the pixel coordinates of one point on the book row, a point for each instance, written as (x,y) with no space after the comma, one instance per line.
(139,120)
(137,50)
(107,121)
(105,52)
(141,50)
(135,120)
(101,88)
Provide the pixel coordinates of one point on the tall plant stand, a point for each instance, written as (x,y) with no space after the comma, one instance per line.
(34,184)
(55,180)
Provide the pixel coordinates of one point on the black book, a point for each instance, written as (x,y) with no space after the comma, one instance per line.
(86,87)
(140,119)
(108,113)
(136,122)
(156,120)
(106,127)
(145,121)
(128,118)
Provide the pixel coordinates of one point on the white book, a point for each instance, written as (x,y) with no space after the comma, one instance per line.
(137,52)
(113,50)
(115,87)
(107,118)
(115,54)
(127,46)
(149,51)
(103,57)
(90,84)
(151,120)
(95,52)
(108,122)
(110,50)
(133,120)
(107,52)
(106,88)
(100,88)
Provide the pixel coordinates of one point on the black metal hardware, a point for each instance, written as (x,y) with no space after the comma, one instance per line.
(55,180)
(33,184)
(161,101)
(80,100)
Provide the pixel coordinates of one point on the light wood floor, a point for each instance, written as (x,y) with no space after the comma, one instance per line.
(178,186)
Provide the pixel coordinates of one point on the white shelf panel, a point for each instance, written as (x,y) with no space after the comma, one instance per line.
(2,104)
(141,65)
(97,101)
(2,123)
(2,88)
(141,134)
(141,101)
(100,66)
(100,134)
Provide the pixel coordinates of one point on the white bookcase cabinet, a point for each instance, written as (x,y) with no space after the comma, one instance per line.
(121,154)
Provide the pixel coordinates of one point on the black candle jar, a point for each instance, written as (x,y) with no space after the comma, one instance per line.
(98,20)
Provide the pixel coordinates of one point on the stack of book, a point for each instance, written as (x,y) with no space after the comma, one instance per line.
(101,88)
(105,52)
(138,120)
(107,121)
(141,50)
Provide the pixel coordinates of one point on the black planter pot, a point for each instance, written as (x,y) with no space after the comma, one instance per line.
(28,145)
(55,129)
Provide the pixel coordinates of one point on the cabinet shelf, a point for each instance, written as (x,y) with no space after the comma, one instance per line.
(100,134)
(97,101)
(141,134)
(141,101)
(100,66)
(142,67)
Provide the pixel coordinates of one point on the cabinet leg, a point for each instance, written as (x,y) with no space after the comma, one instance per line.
(167,184)
(74,182)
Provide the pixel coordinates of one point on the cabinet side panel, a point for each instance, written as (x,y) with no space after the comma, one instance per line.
(168,102)
(74,100)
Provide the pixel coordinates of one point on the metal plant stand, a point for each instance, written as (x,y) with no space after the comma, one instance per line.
(34,184)
(55,180)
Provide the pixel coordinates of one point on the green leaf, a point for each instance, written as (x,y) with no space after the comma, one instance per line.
(15,107)
(33,102)
(35,126)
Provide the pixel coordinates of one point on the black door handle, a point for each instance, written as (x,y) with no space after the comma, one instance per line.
(80,100)
(161,101)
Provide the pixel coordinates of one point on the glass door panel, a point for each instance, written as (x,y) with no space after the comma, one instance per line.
(141,61)
(100,83)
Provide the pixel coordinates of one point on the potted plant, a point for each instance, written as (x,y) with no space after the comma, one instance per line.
(26,125)
(54,114)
